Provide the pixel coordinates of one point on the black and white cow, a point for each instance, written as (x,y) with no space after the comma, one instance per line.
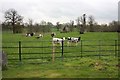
(58,41)
(30,34)
(73,40)
(39,36)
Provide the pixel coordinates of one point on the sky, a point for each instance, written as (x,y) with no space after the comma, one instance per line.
(104,11)
(119,11)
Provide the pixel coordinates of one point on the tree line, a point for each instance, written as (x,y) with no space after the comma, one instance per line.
(14,22)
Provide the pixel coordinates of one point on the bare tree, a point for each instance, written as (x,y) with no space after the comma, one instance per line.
(65,28)
(71,26)
(30,22)
(43,22)
(45,26)
(83,21)
(91,22)
(30,25)
(50,24)
(58,25)
(78,21)
(12,17)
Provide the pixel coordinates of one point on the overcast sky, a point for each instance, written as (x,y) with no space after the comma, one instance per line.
(63,11)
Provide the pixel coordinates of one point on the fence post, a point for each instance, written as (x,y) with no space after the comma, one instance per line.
(62,49)
(115,48)
(81,49)
(20,51)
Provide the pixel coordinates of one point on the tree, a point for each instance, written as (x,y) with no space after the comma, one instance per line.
(30,22)
(6,26)
(19,28)
(37,27)
(83,21)
(91,22)
(45,26)
(78,21)
(50,24)
(71,26)
(58,26)
(30,25)
(12,17)
(65,27)
(43,22)
(114,26)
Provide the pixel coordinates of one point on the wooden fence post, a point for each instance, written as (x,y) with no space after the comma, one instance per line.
(20,51)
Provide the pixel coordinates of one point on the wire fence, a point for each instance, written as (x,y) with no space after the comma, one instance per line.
(45,51)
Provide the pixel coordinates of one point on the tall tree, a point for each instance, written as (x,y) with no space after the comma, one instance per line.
(30,25)
(91,22)
(12,17)
(30,22)
(58,25)
(78,21)
(83,21)
(71,26)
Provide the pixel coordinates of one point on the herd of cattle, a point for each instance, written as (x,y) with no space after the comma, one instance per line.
(57,40)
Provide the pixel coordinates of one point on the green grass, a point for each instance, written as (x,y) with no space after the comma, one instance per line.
(72,67)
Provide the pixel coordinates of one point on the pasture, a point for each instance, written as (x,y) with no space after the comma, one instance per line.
(72,66)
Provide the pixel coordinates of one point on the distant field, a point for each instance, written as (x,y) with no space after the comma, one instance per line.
(90,67)
(8,36)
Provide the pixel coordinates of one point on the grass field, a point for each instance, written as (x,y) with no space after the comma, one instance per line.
(73,67)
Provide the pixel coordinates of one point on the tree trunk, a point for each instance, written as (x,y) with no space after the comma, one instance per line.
(13,28)
(81,29)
